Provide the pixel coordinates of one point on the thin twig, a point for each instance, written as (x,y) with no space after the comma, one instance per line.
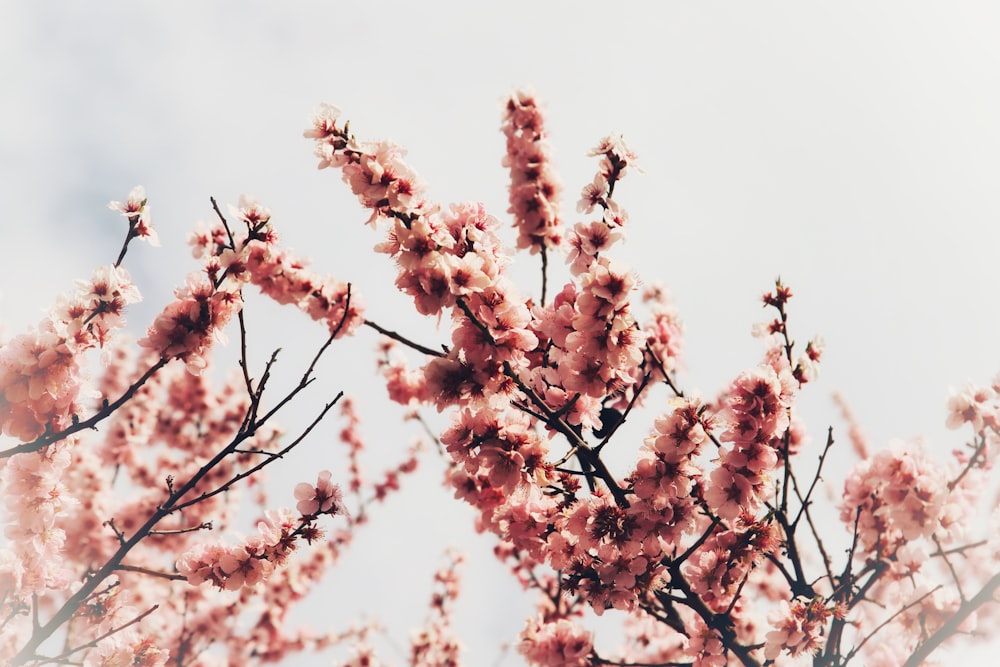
(250,471)
(207,525)
(545,273)
(94,642)
(225,223)
(402,339)
(636,394)
(244,363)
(973,460)
(172,576)
(854,651)
(951,568)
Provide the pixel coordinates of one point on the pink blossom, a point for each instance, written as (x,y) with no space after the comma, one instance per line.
(250,211)
(978,406)
(131,207)
(797,628)
(593,194)
(322,498)
(324,122)
(139,215)
(616,156)
(706,647)
(733,491)
(559,643)
(902,494)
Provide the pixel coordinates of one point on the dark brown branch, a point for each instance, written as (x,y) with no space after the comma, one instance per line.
(405,341)
(244,363)
(718,622)
(584,452)
(604,661)
(250,471)
(225,223)
(800,586)
(545,273)
(131,234)
(663,371)
(636,394)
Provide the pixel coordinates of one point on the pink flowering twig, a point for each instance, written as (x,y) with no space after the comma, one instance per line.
(136,211)
(173,503)
(64,656)
(534,189)
(107,409)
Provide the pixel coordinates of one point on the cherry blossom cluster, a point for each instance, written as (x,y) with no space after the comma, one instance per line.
(977,406)
(577,353)
(574,355)
(41,371)
(234,258)
(447,258)
(249,254)
(588,240)
(189,325)
(669,468)
(375,171)
(798,628)
(35,500)
(68,500)
(757,413)
(899,495)
(287,279)
(231,567)
(498,454)
(561,642)
(534,188)
(405,385)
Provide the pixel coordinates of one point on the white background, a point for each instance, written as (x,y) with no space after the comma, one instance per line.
(851,148)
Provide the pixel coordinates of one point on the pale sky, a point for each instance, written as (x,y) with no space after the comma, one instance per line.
(852,148)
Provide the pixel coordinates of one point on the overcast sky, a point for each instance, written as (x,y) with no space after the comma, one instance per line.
(851,147)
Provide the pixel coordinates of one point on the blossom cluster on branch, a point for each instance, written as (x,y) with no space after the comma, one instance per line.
(707,544)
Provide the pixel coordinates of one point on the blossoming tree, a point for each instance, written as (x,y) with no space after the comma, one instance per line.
(709,547)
